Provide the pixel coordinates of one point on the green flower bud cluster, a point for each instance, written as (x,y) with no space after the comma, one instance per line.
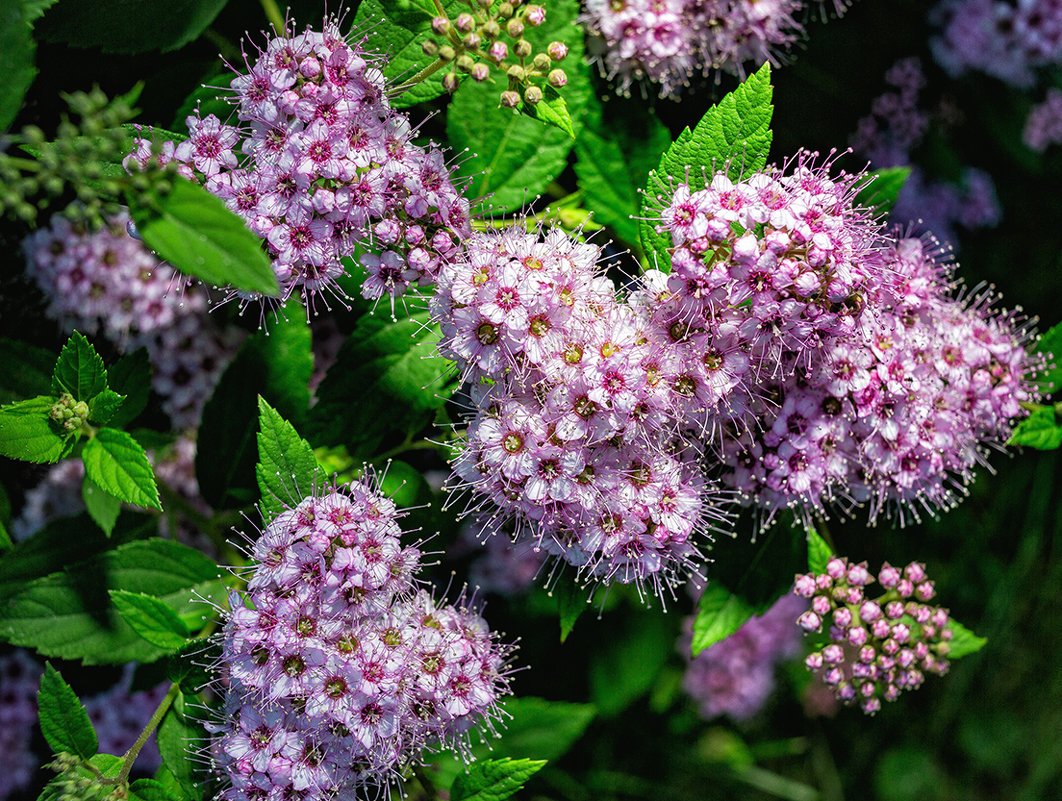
(489,37)
(80,781)
(81,166)
(68,413)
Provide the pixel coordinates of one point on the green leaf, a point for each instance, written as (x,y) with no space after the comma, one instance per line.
(552,110)
(27,432)
(276,366)
(155,621)
(385,378)
(198,235)
(881,188)
(102,507)
(209,98)
(64,721)
(734,134)
(80,370)
(397,28)
(25,370)
(151,790)
(69,614)
(181,739)
(130,376)
(1039,430)
(117,463)
(286,466)
(404,484)
(191,665)
(18,55)
(619,145)
(104,406)
(719,614)
(1050,345)
(963,641)
(571,601)
(128,26)
(819,553)
(494,779)
(625,666)
(107,765)
(164,776)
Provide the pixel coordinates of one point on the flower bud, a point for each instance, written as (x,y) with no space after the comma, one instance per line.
(557,78)
(523,49)
(532,95)
(465,23)
(889,576)
(515,28)
(450,82)
(505,10)
(465,63)
(471,40)
(480,73)
(804,585)
(510,99)
(842,617)
(492,30)
(430,47)
(516,73)
(809,621)
(925,591)
(485,4)
(557,50)
(499,51)
(535,15)
(836,568)
(821,605)
(858,575)
(541,62)
(915,572)
(440,25)
(446,53)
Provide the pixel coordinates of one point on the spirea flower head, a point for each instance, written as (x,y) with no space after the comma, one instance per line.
(340,667)
(319,163)
(878,646)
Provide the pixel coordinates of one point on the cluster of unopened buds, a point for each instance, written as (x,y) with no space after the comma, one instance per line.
(881,646)
(340,669)
(489,37)
(68,413)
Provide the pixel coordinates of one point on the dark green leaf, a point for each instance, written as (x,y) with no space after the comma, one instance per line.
(404,484)
(719,614)
(131,376)
(619,145)
(1050,345)
(18,55)
(192,665)
(210,98)
(494,779)
(151,790)
(69,614)
(64,721)
(128,26)
(881,188)
(102,506)
(164,776)
(27,432)
(571,601)
(80,370)
(1039,430)
(155,621)
(626,665)
(107,765)
(104,406)
(384,379)
(198,235)
(735,134)
(25,370)
(117,463)
(819,553)
(286,466)
(963,641)
(276,366)
(181,739)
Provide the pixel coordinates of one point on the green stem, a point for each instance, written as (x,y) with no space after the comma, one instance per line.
(129,757)
(423,75)
(228,50)
(26,165)
(272,12)
(408,445)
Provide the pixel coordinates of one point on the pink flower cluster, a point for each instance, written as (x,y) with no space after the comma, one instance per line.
(895,413)
(1007,40)
(880,646)
(668,42)
(735,676)
(574,435)
(105,281)
(1043,127)
(320,164)
(339,669)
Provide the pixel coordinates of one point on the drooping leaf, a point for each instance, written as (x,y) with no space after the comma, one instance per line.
(79,370)
(18,53)
(102,507)
(963,641)
(180,739)
(131,377)
(734,135)
(27,432)
(286,466)
(194,231)
(571,601)
(155,621)
(494,779)
(25,370)
(64,721)
(619,145)
(119,465)
(719,614)
(1040,430)
(819,552)
(128,26)
(624,667)
(881,188)
(276,366)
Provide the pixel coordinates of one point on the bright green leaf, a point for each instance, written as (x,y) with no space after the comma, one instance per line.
(494,779)
(181,739)
(286,466)
(719,614)
(80,370)
(154,620)
(735,134)
(64,721)
(404,484)
(131,376)
(1050,345)
(963,641)
(18,55)
(27,432)
(117,463)
(819,553)
(25,370)
(881,188)
(104,406)
(1039,430)
(552,110)
(151,790)
(102,507)
(198,235)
